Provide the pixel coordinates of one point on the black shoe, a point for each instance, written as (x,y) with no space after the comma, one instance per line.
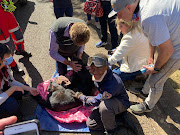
(138,92)
(17,70)
(24,53)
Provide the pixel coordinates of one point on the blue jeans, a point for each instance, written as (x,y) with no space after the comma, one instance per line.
(89,18)
(126,76)
(9,107)
(106,5)
(59,12)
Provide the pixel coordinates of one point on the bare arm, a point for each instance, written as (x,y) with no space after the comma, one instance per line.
(151,53)
(165,51)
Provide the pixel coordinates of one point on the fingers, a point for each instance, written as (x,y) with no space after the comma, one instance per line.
(76,67)
(88,67)
(73,92)
(7,121)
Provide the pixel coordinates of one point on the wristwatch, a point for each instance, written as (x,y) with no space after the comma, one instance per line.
(157,69)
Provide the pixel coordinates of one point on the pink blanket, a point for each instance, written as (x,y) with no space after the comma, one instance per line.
(77,114)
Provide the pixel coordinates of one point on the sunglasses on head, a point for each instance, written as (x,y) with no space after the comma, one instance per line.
(98,62)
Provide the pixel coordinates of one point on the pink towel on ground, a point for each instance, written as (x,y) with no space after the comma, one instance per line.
(77,114)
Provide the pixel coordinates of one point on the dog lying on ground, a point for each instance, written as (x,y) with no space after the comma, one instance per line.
(60,90)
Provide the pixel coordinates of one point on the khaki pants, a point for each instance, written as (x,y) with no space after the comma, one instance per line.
(155,82)
(103,117)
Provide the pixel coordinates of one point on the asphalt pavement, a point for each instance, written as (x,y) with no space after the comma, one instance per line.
(35,19)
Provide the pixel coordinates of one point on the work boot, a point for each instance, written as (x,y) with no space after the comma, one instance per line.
(17,70)
(23,53)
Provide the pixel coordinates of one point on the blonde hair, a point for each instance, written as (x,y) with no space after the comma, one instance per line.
(79,33)
(132,25)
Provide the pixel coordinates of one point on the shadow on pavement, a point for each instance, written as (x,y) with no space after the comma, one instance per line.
(32,71)
(166,113)
(23,14)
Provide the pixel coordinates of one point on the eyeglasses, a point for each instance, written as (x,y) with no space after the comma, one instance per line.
(98,62)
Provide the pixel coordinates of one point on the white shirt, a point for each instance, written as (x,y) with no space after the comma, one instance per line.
(133,51)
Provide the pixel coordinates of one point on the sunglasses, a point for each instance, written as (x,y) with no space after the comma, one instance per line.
(98,62)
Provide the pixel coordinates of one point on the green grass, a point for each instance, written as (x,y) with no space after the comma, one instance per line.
(175,81)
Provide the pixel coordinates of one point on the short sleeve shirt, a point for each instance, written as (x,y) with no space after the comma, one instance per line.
(160,20)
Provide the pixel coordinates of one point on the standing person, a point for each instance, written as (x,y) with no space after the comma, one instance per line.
(111,100)
(106,5)
(8,85)
(95,18)
(63,7)
(9,26)
(160,22)
(133,49)
(68,37)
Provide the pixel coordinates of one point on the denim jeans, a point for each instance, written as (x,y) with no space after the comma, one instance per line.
(89,18)
(59,12)
(9,107)
(126,76)
(106,5)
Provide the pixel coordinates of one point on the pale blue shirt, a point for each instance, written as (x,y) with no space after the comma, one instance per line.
(160,20)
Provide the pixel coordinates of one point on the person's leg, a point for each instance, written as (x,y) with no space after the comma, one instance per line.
(126,76)
(9,107)
(108,109)
(69,11)
(96,19)
(89,17)
(61,68)
(59,12)
(103,23)
(94,122)
(112,29)
(156,83)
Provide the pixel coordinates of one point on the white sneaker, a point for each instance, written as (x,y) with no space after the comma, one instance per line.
(98,26)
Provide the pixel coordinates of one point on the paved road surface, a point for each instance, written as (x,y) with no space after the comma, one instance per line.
(35,19)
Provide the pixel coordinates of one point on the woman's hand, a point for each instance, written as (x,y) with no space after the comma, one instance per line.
(75,66)
(34,91)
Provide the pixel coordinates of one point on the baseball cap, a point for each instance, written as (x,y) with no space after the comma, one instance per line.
(117,5)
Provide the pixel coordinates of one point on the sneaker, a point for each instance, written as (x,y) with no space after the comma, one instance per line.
(98,26)
(24,53)
(88,22)
(138,92)
(140,108)
(101,44)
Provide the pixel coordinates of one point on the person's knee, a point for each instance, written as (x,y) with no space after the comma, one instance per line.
(104,108)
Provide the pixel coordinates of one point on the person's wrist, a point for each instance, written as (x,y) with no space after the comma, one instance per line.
(157,69)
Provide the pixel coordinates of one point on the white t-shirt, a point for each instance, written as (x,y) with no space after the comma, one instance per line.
(160,20)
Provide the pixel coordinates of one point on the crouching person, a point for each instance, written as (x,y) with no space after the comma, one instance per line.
(111,100)
(10,89)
